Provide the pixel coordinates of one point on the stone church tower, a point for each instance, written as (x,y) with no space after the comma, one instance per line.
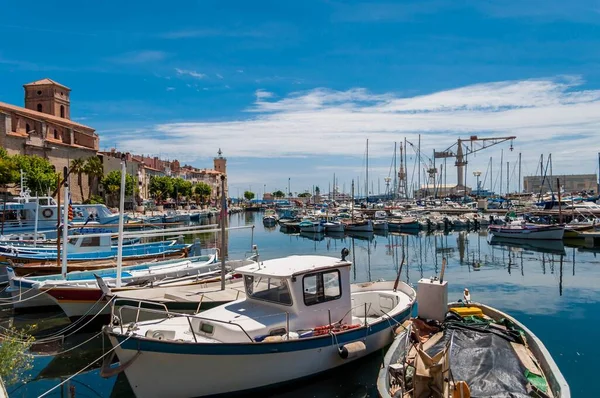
(49,97)
(220,163)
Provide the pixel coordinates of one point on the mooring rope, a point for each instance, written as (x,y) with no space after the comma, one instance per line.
(12,302)
(85,367)
(68,349)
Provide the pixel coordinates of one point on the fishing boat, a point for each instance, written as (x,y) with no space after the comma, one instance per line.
(466,349)
(189,298)
(301,317)
(84,248)
(28,292)
(311,225)
(404,224)
(380,225)
(270,217)
(357,225)
(333,226)
(528,231)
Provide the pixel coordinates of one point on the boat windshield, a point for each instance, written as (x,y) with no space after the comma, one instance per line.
(274,290)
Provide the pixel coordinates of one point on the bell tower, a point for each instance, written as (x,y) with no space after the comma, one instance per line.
(49,97)
(220,163)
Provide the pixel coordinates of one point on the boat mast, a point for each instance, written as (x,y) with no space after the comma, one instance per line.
(396,175)
(419,166)
(501,168)
(352,203)
(367,178)
(65,230)
(491,175)
(507,176)
(519,172)
(121,217)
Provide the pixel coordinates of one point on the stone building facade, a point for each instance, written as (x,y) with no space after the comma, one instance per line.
(44,128)
(568,182)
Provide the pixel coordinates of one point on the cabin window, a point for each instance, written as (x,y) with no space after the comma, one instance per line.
(274,290)
(92,241)
(321,287)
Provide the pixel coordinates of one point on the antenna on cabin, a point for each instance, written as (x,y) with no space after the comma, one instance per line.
(345,252)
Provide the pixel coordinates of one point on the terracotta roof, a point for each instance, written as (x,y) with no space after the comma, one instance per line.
(45,82)
(43,116)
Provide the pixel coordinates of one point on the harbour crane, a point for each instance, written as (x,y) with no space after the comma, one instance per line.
(463,150)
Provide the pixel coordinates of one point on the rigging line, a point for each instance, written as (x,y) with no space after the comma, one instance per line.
(85,367)
(69,349)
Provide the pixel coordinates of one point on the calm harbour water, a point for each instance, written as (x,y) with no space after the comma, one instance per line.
(553,290)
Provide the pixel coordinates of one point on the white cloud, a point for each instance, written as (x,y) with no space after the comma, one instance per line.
(192,73)
(170,88)
(219,76)
(325,122)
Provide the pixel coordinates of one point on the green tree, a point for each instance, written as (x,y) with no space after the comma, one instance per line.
(40,174)
(95,170)
(15,359)
(160,187)
(9,174)
(78,167)
(181,188)
(304,195)
(203,191)
(278,194)
(112,185)
(249,195)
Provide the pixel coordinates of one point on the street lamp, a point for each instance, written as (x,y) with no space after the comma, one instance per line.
(477,174)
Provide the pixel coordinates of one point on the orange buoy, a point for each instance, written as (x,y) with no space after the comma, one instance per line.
(461,390)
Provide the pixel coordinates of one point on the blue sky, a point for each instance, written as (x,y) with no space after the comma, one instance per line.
(294,89)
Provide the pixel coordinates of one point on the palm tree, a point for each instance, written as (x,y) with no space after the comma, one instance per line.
(94,169)
(78,166)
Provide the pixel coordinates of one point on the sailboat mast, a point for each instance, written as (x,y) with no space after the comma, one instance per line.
(501,168)
(121,220)
(491,175)
(352,203)
(396,175)
(65,227)
(519,172)
(367,181)
(419,166)
(507,176)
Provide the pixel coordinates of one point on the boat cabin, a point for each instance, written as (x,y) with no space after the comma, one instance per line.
(292,293)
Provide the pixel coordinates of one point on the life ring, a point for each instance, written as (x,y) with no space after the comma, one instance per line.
(47,213)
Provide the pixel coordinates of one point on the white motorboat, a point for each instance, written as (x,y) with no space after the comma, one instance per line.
(380,225)
(334,226)
(359,226)
(270,217)
(466,349)
(528,231)
(311,225)
(301,317)
(34,291)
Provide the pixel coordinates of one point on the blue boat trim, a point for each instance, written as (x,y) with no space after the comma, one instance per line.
(192,348)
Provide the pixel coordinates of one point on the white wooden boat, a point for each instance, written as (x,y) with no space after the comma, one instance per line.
(311,225)
(33,291)
(475,351)
(359,226)
(380,225)
(301,317)
(528,231)
(334,226)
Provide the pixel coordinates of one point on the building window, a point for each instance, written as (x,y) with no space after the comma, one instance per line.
(27,128)
(39,92)
(55,134)
(62,111)
(39,107)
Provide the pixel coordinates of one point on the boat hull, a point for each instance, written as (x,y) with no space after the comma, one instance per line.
(196,370)
(556,380)
(542,233)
